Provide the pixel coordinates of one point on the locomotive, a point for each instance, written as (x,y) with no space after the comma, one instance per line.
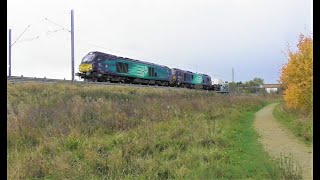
(102,67)
(187,79)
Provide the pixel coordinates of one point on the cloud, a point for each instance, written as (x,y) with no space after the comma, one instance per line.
(204,36)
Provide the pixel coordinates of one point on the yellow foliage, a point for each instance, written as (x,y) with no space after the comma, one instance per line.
(297,76)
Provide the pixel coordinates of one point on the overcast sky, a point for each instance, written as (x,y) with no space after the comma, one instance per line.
(206,36)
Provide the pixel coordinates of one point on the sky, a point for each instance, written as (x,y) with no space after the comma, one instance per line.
(204,36)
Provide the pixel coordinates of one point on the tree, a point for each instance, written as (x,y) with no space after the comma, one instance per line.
(234,86)
(258,81)
(255,82)
(297,76)
(252,86)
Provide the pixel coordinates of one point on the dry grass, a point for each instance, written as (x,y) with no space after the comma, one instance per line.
(290,169)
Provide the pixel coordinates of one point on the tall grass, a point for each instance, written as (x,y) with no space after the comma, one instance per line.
(290,169)
(299,124)
(63,131)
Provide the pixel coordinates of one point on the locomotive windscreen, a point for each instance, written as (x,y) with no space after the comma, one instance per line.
(88,58)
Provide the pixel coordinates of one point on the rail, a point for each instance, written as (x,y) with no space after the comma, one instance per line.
(22,79)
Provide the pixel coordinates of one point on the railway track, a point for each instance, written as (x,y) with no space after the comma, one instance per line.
(22,79)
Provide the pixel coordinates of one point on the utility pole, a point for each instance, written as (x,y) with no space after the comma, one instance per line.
(232,75)
(9,52)
(72,46)
(10,46)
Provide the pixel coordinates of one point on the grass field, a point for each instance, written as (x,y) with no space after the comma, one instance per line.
(300,125)
(84,132)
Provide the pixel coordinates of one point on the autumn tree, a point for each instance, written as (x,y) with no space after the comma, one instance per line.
(297,76)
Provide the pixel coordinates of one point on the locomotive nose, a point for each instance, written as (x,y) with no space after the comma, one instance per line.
(85,67)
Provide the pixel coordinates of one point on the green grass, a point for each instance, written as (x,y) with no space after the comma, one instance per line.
(244,158)
(299,125)
(73,131)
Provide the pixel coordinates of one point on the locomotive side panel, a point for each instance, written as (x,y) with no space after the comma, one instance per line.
(136,70)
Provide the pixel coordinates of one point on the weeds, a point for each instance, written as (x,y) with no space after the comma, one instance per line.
(290,169)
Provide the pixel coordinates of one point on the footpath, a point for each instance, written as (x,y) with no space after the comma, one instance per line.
(277,140)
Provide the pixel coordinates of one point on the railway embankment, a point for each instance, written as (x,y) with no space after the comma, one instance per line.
(63,131)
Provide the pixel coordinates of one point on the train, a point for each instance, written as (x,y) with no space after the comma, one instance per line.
(102,67)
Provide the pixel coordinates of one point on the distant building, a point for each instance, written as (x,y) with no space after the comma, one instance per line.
(271,88)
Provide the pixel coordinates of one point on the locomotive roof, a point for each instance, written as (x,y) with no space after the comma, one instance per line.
(183,70)
(189,71)
(124,58)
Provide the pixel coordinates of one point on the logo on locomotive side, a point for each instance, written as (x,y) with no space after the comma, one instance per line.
(144,71)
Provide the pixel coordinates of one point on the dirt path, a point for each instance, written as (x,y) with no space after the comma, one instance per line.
(276,139)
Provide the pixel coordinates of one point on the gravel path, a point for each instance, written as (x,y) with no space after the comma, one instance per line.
(277,140)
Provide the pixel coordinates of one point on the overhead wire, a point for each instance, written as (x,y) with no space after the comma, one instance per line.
(38,37)
(94,45)
(20,36)
(57,24)
(50,32)
(30,39)
(54,31)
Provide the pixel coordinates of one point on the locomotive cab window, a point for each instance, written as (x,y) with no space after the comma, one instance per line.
(122,67)
(88,58)
(191,76)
